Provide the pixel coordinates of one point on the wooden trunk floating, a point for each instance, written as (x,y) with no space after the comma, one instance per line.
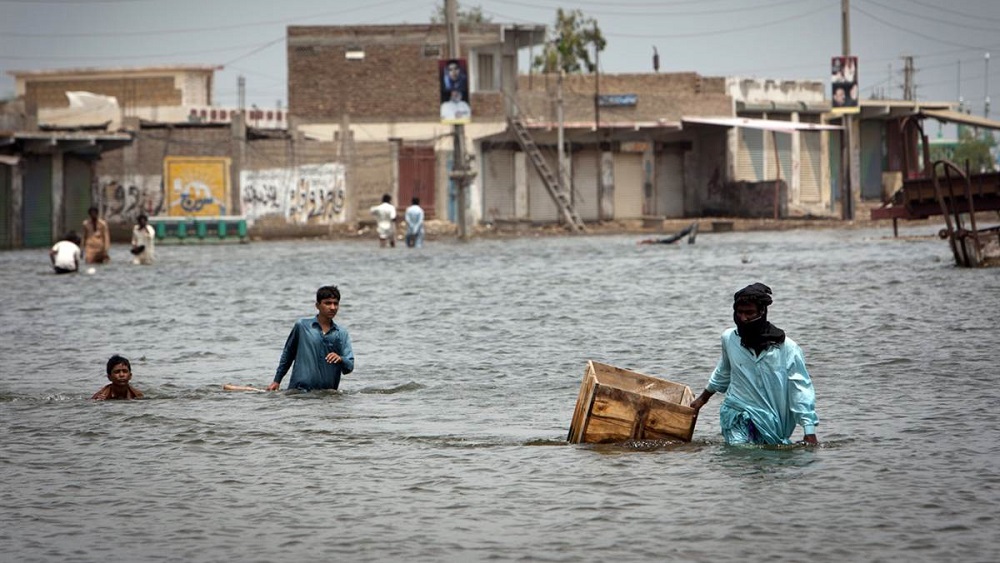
(616,405)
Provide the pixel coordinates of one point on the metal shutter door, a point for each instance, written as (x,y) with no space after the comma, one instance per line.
(670,183)
(750,159)
(6,227)
(585,184)
(77,192)
(37,204)
(498,185)
(812,158)
(628,186)
(540,204)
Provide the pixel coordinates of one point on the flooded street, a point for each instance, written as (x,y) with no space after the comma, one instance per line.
(447,443)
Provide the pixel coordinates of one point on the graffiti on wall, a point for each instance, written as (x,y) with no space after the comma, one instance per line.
(196,186)
(306,194)
(124,198)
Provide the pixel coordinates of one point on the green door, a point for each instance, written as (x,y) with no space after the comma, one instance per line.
(37,204)
(6,234)
(76,192)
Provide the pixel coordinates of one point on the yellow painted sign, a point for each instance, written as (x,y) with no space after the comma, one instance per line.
(196,186)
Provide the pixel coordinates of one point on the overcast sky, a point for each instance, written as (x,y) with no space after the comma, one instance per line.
(785,39)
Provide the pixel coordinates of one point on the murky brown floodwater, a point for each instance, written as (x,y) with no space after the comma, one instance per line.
(446,444)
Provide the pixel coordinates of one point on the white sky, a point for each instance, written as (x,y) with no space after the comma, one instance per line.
(786,39)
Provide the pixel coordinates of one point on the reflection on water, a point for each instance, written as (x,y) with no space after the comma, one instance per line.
(467,356)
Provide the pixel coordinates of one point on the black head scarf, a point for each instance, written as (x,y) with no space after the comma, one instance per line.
(758,334)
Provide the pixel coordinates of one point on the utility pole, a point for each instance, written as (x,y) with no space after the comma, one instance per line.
(847,198)
(986,87)
(241,87)
(961,100)
(909,92)
(460,168)
(597,131)
(560,137)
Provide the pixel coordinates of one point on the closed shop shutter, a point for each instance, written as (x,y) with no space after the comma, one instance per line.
(585,184)
(811,162)
(670,183)
(628,186)
(784,143)
(871,159)
(37,203)
(77,197)
(498,185)
(540,205)
(6,204)
(750,159)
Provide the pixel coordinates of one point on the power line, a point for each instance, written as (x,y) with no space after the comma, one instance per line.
(918,34)
(952,11)
(646,13)
(213,29)
(929,18)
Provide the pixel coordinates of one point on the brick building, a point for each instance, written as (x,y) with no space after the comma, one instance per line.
(380,83)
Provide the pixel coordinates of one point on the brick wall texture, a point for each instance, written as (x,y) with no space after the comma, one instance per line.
(396,81)
(660,96)
(130,92)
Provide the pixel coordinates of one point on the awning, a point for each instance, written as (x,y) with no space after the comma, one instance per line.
(959,117)
(764,124)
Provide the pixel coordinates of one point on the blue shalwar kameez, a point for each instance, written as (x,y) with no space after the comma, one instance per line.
(766,395)
(307,347)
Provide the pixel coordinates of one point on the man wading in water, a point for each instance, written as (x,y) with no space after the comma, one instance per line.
(763,374)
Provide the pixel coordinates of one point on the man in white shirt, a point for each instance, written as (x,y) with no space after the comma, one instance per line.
(385,217)
(143,241)
(65,255)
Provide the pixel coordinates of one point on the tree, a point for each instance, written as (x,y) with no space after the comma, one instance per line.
(465,17)
(975,150)
(575,35)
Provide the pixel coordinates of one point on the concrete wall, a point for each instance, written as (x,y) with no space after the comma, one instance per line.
(130,179)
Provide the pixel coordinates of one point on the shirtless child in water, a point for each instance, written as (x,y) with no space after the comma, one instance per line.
(119,373)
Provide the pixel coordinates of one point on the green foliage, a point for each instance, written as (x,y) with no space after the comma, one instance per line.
(575,36)
(465,17)
(975,150)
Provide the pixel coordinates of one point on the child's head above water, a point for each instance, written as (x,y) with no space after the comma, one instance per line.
(119,369)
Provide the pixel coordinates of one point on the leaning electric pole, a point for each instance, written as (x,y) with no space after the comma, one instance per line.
(847,198)
(460,172)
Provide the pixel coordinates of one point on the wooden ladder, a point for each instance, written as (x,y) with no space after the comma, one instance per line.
(560,195)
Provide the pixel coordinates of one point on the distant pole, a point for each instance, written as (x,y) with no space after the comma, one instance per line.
(961,101)
(986,87)
(241,87)
(459,166)
(597,130)
(847,198)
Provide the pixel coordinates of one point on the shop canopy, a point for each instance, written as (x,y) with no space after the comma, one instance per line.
(951,116)
(763,124)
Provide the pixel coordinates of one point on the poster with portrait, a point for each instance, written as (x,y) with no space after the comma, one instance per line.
(453,79)
(844,84)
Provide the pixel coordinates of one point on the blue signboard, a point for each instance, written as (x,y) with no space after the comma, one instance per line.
(617,100)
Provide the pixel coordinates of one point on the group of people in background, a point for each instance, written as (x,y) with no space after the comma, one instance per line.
(385,223)
(95,246)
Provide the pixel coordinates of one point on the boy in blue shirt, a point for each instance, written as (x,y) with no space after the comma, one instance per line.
(319,348)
